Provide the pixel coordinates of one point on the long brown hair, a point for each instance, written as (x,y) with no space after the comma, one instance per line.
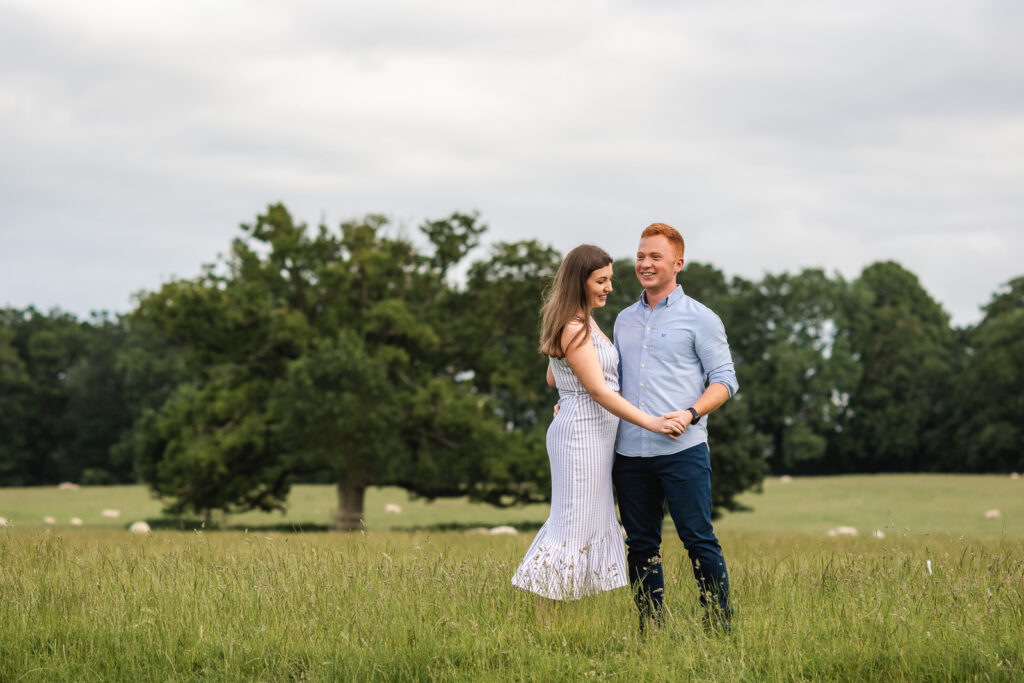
(567,296)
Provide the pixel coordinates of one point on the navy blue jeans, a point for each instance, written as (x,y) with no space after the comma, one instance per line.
(683,481)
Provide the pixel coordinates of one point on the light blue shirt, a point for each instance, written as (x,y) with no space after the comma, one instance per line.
(667,356)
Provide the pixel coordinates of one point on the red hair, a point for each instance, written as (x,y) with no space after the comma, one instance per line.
(669,233)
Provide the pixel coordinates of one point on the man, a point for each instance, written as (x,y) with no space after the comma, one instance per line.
(670,346)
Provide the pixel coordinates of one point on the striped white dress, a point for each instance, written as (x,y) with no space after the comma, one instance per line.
(579,550)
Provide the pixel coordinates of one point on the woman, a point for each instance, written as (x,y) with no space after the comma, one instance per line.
(579,550)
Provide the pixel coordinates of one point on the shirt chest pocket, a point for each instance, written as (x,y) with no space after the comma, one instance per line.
(671,345)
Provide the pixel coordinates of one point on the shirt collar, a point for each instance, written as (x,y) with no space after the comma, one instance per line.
(672,297)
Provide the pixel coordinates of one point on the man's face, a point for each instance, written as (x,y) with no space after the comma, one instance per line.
(657,263)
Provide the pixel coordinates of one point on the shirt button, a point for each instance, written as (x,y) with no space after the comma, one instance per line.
(648,329)
(642,403)
(641,383)
(643,365)
(645,346)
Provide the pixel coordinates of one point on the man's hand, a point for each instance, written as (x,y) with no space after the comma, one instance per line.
(669,426)
(683,416)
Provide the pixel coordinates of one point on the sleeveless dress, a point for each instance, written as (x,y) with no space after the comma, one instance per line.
(579,550)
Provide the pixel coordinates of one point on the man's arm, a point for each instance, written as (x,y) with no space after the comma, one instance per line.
(712,348)
(712,399)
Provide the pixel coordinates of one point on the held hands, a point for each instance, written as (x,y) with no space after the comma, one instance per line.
(683,416)
(671,425)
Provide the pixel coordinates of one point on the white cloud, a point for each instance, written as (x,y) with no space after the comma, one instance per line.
(776,135)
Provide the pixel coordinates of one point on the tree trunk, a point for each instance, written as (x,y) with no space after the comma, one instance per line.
(350,506)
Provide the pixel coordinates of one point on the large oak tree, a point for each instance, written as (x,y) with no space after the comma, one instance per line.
(320,352)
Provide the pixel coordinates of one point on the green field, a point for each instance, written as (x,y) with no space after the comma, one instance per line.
(940,597)
(920,504)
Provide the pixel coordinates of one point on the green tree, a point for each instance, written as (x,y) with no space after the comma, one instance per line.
(790,335)
(15,394)
(319,354)
(904,343)
(492,336)
(989,434)
(208,446)
(67,405)
(51,348)
(149,368)
(99,410)
(495,329)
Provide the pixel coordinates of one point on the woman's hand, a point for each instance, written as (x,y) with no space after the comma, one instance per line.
(669,426)
(684,417)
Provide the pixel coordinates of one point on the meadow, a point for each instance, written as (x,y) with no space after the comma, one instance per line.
(416,597)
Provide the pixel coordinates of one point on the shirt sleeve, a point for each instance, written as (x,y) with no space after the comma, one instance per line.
(712,348)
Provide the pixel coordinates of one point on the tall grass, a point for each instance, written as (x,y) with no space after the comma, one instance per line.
(105,605)
(406,601)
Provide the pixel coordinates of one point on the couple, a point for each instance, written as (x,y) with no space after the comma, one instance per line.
(667,346)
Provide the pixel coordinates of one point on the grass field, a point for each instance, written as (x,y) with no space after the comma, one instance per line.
(940,597)
(919,504)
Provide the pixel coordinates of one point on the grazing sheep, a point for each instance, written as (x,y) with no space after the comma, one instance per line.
(76,521)
(785,479)
(1014,475)
(993,514)
(878,533)
(478,530)
(501,530)
(49,520)
(3,521)
(139,528)
(67,486)
(111,513)
(393,509)
(843,531)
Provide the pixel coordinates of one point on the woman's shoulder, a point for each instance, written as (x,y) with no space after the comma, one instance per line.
(574,325)
(573,333)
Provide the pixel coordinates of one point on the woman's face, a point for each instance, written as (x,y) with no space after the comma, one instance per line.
(599,285)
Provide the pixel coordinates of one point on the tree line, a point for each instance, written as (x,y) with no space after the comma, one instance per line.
(356,357)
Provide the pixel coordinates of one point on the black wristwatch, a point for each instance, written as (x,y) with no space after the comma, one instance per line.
(696,415)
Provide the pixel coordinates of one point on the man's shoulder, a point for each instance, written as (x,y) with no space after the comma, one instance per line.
(628,312)
(632,307)
(701,311)
(700,308)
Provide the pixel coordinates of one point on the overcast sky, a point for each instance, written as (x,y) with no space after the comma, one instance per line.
(137,135)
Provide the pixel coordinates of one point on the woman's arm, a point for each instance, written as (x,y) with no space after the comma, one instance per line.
(584,363)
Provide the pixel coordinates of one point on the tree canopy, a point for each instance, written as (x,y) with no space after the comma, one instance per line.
(360,356)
